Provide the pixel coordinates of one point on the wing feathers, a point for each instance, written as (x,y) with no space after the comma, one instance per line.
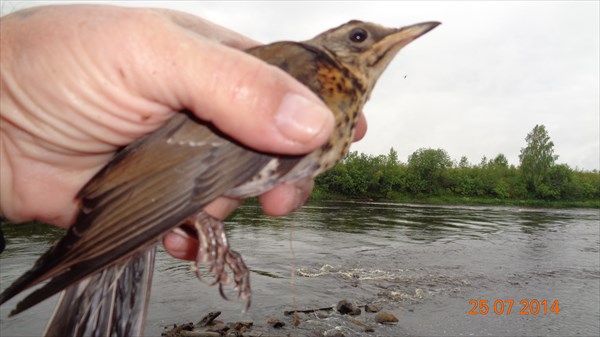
(121,215)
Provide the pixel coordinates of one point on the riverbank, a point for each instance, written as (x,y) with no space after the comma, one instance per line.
(466,201)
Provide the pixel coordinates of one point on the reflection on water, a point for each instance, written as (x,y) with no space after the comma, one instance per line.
(422,263)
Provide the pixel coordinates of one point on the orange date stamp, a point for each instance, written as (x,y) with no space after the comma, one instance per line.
(507,307)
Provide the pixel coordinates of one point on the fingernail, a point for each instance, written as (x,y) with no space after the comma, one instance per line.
(179,239)
(300,119)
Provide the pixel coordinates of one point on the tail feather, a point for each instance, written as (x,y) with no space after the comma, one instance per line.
(113,302)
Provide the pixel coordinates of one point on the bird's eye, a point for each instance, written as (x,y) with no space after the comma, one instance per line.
(358,35)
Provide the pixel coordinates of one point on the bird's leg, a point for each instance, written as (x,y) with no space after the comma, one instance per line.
(213,249)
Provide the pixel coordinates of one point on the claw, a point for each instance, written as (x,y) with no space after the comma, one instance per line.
(213,249)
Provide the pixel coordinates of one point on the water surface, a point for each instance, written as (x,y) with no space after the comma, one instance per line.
(422,263)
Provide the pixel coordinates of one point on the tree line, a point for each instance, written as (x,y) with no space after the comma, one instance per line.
(431,172)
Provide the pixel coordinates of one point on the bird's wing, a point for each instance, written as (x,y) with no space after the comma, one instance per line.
(299,60)
(110,303)
(150,187)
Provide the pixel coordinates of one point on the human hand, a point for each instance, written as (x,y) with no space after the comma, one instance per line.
(80,82)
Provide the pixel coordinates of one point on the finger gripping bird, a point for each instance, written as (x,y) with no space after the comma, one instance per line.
(104,262)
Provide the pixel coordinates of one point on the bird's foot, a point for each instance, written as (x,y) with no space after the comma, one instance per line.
(214,250)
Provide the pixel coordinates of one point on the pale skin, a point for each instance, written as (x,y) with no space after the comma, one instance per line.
(79,82)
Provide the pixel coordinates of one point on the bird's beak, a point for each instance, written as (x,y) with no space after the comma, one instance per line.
(403,36)
(385,49)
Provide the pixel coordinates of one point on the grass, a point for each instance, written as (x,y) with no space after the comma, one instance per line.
(454,200)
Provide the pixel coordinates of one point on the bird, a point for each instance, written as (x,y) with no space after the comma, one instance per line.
(103,265)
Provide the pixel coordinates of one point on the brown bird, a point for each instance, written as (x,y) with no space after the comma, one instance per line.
(106,258)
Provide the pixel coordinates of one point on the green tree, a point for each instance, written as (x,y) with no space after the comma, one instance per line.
(391,178)
(587,185)
(484,161)
(559,183)
(426,169)
(392,157)
(464,162)
(498,174)
(499,162)
(537,158)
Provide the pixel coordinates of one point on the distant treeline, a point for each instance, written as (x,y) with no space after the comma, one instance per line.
(431,173)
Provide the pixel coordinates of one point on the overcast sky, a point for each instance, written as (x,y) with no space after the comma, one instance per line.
(475,86)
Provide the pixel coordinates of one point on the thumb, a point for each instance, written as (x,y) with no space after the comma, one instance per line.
(251,101)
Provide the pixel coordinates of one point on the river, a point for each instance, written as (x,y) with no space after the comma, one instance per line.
(433,267)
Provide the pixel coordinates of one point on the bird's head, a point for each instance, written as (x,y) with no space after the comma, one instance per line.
(367,48)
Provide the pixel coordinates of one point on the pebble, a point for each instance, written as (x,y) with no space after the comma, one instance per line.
(200,334)
(217,326)
(176,330)
(322,314)
(275,322)
(372,308)
(366,328)
(240,326)
(335,332)
(208,319)
(346,307)
(385,317)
